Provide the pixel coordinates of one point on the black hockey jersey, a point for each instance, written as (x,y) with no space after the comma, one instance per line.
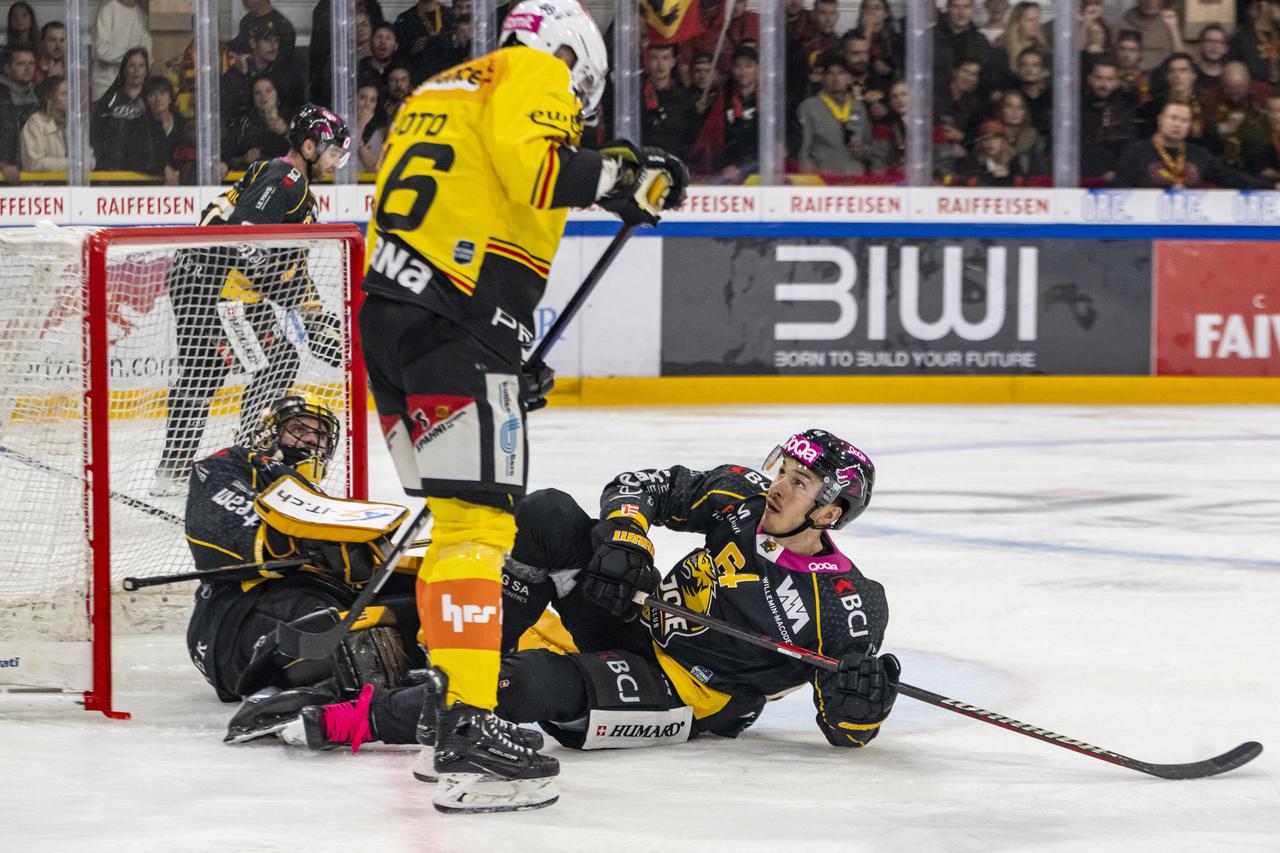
(222,526)
(271,192)
(742,576)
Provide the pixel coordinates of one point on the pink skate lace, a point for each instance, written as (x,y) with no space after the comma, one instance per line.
(348,722)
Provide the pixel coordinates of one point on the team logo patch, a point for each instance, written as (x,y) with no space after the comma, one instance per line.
(435,415)
(464,252)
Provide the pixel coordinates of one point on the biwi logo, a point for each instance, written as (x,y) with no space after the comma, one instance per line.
(793,605)
(462,614)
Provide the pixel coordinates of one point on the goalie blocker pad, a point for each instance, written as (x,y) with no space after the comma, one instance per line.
(631,705)
(295,509)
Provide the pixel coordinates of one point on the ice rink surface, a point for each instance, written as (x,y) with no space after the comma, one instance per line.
(1112,574)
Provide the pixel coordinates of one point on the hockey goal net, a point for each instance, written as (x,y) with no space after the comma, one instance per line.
(124,354)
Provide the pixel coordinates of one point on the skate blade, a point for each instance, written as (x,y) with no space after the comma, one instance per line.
(424,769)
(477,793)
(247,736)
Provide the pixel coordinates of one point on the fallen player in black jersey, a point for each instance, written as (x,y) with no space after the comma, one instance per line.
(640,677)
(231,519)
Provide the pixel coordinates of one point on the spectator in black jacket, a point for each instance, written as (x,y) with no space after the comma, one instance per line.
(1106,121)
(18,102)
(415,25)
(163,129)
(119,117)
(955,38)
(261,17)
(260,134)
(264,60)
(1168,161)
(668,119)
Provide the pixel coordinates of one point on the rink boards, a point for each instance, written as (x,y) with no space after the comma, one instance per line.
(883,293)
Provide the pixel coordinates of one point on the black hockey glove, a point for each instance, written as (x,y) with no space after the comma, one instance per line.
(649,181)
(853,702)
(536,381)
(353,562)
(622,565)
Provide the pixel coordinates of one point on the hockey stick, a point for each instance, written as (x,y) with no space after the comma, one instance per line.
(1230,760)
(142,506)
(240,572)
(575,303)
(243,571)
(299,644)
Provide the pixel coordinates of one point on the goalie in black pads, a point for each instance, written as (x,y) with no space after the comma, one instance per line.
(250,308)
(256,503)
(640,677)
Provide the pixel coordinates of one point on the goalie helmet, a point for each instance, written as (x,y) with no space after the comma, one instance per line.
(846,472)
(322,127)
(548,25)
(296,442)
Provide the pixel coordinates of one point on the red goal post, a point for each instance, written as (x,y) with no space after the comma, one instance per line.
(96,377)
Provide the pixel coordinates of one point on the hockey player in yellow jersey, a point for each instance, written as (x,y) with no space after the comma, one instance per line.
(476,179)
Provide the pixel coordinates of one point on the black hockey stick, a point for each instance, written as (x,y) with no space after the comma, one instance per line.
(141,506)
(1230,760)
(299,644)
(575,303)
(240,572)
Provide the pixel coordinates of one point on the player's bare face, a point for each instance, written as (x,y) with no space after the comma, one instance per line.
(790,498)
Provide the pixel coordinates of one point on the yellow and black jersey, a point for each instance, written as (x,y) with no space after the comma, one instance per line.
(271,192)
(473,188)
(742,576)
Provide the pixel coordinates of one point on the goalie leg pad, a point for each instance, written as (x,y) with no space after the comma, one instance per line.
(374,655)
(626,702)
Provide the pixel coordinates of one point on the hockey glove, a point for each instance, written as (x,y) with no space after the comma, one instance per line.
(622,565)
(353,562)
(853,702)
(646,181)
(536,381)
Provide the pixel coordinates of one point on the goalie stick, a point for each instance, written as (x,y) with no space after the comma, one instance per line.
(141,506)
(300,644)
(1230,760)
(242,571)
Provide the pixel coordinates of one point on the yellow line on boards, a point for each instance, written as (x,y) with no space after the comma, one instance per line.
(875,390)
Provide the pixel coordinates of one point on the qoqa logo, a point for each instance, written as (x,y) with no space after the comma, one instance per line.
(951,322)
(803,449)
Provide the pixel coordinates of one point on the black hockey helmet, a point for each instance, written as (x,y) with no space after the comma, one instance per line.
(323,127)
(276,423)
(846,472)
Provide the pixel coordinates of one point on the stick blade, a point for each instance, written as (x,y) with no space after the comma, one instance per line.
(1229,760)
(300,644)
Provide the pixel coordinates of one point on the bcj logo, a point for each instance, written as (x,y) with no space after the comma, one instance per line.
(952,319)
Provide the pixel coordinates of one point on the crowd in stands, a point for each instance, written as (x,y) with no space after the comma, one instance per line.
(1158,107)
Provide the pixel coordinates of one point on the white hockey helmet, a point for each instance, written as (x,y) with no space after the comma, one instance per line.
(548,25)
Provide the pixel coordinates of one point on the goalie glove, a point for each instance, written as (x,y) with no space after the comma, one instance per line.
(638,184)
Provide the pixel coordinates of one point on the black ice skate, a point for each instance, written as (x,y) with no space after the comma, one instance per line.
(481,769)
(331,726)
(428,723)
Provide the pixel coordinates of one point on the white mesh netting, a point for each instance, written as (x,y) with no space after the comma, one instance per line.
(179,389)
